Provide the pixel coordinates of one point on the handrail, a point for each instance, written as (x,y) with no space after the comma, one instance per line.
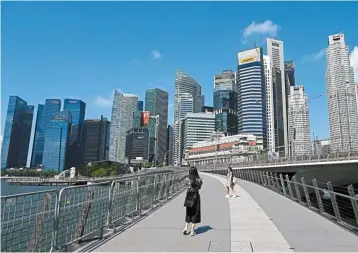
(51,220)
(338,207)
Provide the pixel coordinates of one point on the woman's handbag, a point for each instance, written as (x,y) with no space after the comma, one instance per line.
(190,198)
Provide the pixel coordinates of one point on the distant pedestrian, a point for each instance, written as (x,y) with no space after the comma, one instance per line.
(230,184)
(192,201)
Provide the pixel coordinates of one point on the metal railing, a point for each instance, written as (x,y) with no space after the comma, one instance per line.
(264,161)
(52,220)
(339,204)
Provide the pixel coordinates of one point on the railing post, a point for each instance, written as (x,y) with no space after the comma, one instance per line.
(298,193)
(138,195)
(252,176)
(354,202)
(268,180)
(283,185)
(334,201)
(318,196)
(109,217)
(255,177)
(154,190)
(262,179)
(289,186)
(306,192)
(277,183)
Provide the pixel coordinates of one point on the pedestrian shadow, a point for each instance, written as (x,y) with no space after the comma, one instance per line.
(202,229)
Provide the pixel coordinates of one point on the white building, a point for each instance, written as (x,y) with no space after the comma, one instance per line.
(321,147)
(122,119)
(224,149)
(298,121)
(197,127)
(341,96)
(269,105)
(185,104)
(275,52)
(225,81)
(357,94)
(184,86)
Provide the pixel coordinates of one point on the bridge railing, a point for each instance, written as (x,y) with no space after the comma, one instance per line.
(52,220)
(339,204)
(262,160)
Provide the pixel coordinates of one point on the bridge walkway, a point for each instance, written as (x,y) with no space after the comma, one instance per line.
(258,220)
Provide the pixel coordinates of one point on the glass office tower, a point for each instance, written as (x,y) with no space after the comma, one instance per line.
(57,142)
(15,145)
(77,145)
(51,107)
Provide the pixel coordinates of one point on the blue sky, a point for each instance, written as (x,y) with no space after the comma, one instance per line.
(87,49)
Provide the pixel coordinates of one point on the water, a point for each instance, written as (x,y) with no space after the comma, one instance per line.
(8,189)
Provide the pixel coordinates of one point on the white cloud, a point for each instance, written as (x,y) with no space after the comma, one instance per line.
(107,101)
(314,57)
(156,55)
(266,28)
(354,63)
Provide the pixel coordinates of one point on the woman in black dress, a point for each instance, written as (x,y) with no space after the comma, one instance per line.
(193,214)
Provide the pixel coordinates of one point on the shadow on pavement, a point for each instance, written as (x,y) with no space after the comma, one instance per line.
(202,229)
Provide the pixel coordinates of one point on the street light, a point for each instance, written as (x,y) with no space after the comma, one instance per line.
(165,156)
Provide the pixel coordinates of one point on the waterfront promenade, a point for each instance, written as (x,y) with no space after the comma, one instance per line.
(259,220)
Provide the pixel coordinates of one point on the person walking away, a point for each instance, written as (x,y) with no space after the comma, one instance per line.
(230,184)
(192,201)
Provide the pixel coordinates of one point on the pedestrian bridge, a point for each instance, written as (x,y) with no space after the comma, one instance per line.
(271,214)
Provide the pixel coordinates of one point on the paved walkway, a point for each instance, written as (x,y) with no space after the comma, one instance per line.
(259,220)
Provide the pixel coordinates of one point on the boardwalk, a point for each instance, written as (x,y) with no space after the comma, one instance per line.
(258,220)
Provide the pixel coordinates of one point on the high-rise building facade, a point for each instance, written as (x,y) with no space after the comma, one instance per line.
(15,144)
(122,120)
(96,140)
(57,142)
(156,102)
(140,105)
(278,108)
(137,143)
(77,145)
(225,102)
(276,53)
(197,127)
(51,107)
(137,119)
(251,91)
(185,86)
(299,134)
(185,105)
(170,146)
(341,95)
(269,104)
(356,87)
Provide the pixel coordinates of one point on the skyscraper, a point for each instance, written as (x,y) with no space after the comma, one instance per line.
(137,143)
(51,107)
(184,84)
(269,105)
(57,142)
(140,106)
(275,52)
(225,102)
(341,95)
(299,134)
(77,145)
(252,94)
(156,102)
(122,120)
(170,145)
(196,127)
(185,104)
(96,140)
(15,144)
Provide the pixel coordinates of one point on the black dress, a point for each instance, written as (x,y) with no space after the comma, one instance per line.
(193,214)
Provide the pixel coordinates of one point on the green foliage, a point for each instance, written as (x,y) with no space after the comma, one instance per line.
(103,169)
(29,173)
(147,165)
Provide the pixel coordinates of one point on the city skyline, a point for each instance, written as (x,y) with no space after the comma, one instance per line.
(310,64)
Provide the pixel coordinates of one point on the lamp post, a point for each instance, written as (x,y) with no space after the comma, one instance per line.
(165,156)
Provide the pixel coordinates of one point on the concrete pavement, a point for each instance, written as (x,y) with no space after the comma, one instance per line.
(259,220)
